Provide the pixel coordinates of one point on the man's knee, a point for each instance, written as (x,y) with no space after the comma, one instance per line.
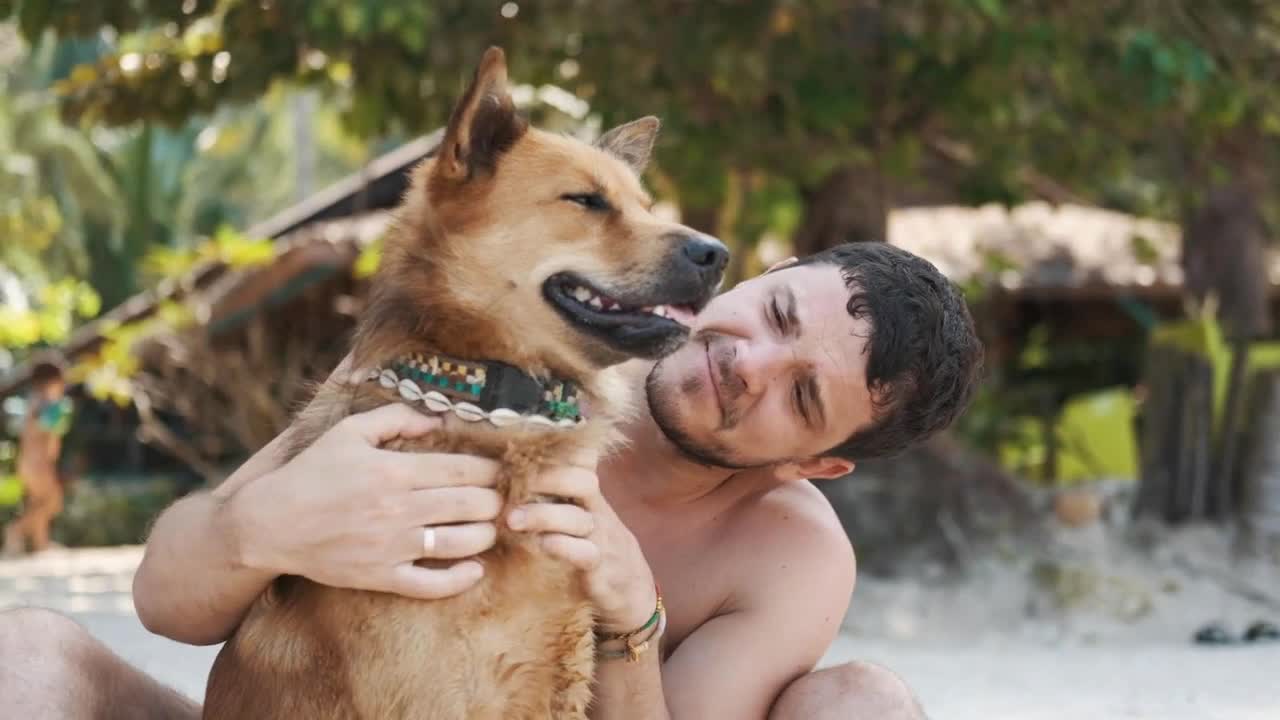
(41,635)
(44,655)
(852,691)
(53,667)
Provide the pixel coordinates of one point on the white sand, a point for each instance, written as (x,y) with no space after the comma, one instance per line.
(970,652)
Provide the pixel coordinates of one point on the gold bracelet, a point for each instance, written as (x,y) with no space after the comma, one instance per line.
(635,647)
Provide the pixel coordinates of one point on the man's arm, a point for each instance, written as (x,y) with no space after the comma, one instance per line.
(199,531)
(200,608)
(344,513)
(795,572)
(737,664)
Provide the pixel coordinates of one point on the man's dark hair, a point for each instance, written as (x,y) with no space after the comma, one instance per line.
(48,367)
(924,357)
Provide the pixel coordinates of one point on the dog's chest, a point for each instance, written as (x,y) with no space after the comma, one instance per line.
(520,456)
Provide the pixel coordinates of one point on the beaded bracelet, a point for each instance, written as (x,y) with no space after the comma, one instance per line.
(635,648)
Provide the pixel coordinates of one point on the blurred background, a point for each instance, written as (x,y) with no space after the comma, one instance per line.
(193,192)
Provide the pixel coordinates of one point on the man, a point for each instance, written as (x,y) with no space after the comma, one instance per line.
(789,377)
(47,419)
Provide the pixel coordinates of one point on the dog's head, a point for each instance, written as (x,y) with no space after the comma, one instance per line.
(515,231)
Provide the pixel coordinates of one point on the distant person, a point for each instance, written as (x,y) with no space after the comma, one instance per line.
(47,418)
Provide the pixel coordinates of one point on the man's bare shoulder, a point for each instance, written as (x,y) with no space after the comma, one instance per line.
(794,535)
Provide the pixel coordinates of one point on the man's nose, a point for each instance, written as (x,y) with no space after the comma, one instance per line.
(759,364)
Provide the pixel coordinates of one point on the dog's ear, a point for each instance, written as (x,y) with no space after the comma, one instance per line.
(632,143)
(484,123)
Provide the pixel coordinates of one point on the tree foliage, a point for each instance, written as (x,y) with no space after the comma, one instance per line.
(1113,101)
(93,207)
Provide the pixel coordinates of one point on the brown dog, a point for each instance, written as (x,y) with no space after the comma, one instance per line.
(522,265)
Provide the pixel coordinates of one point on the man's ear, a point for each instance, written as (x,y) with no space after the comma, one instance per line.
(817,468)
(632,143)
(783,263)
(484,123)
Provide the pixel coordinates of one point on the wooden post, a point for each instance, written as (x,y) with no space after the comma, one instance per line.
(1176,435)
(1259,476)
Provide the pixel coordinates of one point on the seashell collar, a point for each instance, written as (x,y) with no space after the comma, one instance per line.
(475,391)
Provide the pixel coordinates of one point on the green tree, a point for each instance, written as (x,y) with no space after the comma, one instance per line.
(805,118)
(770,108)
(89,201)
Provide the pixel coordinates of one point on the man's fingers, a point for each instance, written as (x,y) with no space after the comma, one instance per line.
(389,422)
(440,506)
(579,552)
(431,584)
(570,482)
(449,542)
(552,518)
(423,471)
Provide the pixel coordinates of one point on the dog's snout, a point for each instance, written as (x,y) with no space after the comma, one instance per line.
(706,253)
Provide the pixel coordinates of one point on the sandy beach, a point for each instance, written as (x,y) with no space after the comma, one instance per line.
(1034,670)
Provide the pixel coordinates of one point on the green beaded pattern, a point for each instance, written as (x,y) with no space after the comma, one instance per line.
(466,381)
(457,379)
(560,402)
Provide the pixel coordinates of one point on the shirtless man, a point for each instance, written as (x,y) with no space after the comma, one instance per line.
(38,450)
(789,377)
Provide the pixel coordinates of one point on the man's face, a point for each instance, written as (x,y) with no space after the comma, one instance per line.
(53,389)
(775,370)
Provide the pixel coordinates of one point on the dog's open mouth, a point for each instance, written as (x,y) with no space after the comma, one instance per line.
(642,324)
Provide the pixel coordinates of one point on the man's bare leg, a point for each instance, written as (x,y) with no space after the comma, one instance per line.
(40,522)
(15,541)
(53,668)
(853,691)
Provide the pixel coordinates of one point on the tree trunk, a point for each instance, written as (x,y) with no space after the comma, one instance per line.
(1189,471)
(1223,255)
(853,202)
(849,205)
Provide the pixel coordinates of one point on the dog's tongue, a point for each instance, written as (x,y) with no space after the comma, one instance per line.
(680,314)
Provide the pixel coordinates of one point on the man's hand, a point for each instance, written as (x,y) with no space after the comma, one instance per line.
(346,513)
(592,537)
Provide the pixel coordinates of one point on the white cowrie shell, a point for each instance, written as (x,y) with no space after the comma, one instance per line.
(409,390)
(468,412)
(436,402)
(502,417)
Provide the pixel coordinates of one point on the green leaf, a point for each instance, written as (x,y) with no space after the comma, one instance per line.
(366,264)
(991,8)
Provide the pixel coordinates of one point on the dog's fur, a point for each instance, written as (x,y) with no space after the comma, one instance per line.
(482,226)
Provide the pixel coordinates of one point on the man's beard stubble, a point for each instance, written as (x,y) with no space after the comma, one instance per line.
(662,407)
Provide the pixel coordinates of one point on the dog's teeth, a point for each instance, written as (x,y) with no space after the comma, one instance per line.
(581,294)
(660,311)
(611,305)
(595,303)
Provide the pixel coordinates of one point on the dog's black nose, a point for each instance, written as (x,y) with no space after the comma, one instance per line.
(706,253)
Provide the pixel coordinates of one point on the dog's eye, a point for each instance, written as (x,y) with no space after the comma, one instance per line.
(590,201)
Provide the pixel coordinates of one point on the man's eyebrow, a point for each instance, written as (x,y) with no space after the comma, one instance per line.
(789,311)
(796,327)
(815,399)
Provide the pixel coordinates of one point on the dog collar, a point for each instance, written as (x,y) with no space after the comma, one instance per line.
(475,390)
